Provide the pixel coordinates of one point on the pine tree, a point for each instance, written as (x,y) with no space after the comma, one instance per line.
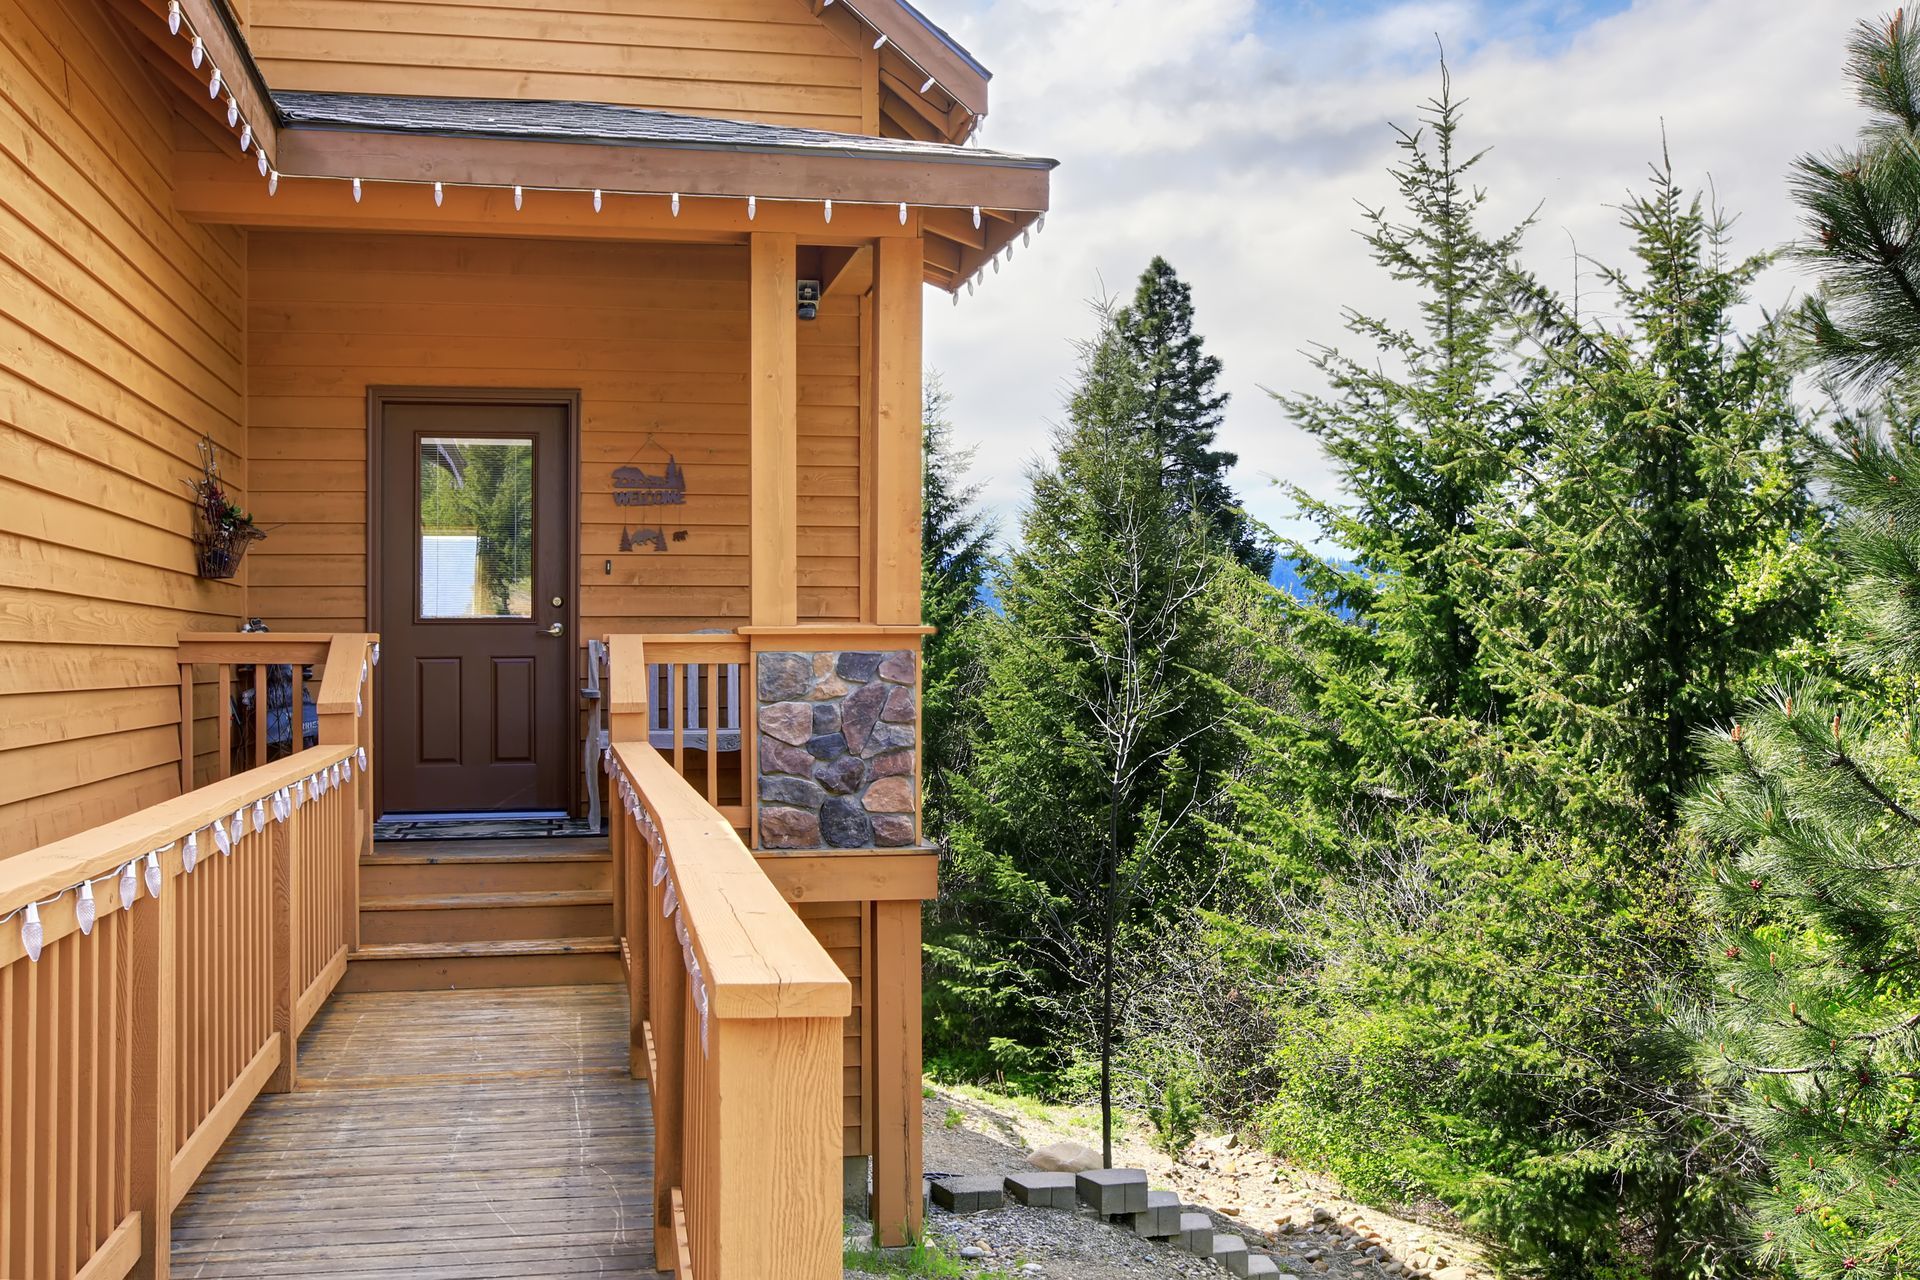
(1862,208)
(1812,824)
(1183,409)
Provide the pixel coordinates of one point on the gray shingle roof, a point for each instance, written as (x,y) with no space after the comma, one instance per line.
(593,122)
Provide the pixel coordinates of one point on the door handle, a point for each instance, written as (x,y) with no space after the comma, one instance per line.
(557,629)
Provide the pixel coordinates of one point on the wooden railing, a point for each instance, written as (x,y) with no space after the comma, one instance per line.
(155,974)
(260,683)
(697,697)
(737,1017)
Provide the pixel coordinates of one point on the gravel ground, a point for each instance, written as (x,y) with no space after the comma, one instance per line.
(1311,1235)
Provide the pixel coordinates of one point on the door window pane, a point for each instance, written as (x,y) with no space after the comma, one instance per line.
(476,528)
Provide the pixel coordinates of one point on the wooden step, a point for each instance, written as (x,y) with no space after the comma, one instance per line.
(485,917)
(443,873)
(443,966)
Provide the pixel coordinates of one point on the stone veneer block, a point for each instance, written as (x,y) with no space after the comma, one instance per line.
(1043,1190)
(838,749)
(1111,1192)
(1161,1220)
(1196,1234)
(969,1195)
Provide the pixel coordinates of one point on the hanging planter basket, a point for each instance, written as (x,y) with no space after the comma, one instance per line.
(221,549)
(223,531)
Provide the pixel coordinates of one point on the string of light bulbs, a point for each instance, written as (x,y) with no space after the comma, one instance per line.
(225,833)
(671,902)
(180,25)
(882,41)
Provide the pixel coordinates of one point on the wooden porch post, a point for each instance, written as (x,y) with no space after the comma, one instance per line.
(894,549)
(894,530)
(774,397)
(897,1184)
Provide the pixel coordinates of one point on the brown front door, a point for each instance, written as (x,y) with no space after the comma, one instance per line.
(474,607)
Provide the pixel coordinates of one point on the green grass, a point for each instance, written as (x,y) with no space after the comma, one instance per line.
(955,1117)
(923,1260)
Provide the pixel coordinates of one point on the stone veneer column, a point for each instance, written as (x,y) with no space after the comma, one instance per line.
(838,749)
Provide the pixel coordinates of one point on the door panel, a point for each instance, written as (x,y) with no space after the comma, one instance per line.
(474,530)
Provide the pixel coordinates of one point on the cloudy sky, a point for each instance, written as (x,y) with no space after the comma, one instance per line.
(1235,137)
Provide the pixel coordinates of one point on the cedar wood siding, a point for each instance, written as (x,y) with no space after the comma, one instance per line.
(767,60)
(121,342)
(652,336)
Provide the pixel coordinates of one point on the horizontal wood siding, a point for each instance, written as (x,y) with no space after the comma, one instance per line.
(764,60)
(839,928)
(121,343)
(653,336)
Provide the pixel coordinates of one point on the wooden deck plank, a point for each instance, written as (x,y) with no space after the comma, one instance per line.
(459,1135)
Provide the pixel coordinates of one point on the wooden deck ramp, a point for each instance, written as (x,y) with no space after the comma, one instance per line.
(443,1135)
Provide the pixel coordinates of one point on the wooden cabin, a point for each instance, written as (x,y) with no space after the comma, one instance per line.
(511,864)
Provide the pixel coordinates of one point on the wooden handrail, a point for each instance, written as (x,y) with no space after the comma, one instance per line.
(737,1015)
(345,660)
(759,958)
(152,1029)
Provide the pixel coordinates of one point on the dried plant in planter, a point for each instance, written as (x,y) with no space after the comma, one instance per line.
(224,531)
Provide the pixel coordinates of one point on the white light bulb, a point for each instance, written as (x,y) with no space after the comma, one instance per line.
(903,213)
(190,851)
(273,182)
(261,158)
(280,805)
(356,191)
(237,830)
(246,137)
(1040,223)
(829,208)
(976,217)
(32,936)
(361,756)
(359,705)
(928,85)
(956,299)
(173,17)
(752,207)
(198,54)
(660,868)
(376,647)
(153,875)
(299,792)
(669,900)
(129,887)
(233,112)
(676,204)
(519,197)
(881,43)
(84,911)
(996,264)
(596,199)
(969,287)
(213,85)
(259,816)
(1026,238)
(221,840)
(439,195)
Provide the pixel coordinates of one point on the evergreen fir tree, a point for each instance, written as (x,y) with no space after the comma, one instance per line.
(1182,408)
(956,547)
(1098,726)
(1420,440)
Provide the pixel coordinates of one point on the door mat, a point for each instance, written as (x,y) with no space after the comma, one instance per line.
(481,828)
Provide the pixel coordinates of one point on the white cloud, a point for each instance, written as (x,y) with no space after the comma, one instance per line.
(1237,146)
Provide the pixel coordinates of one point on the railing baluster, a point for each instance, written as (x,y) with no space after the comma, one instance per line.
(713,735)
(259,714)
